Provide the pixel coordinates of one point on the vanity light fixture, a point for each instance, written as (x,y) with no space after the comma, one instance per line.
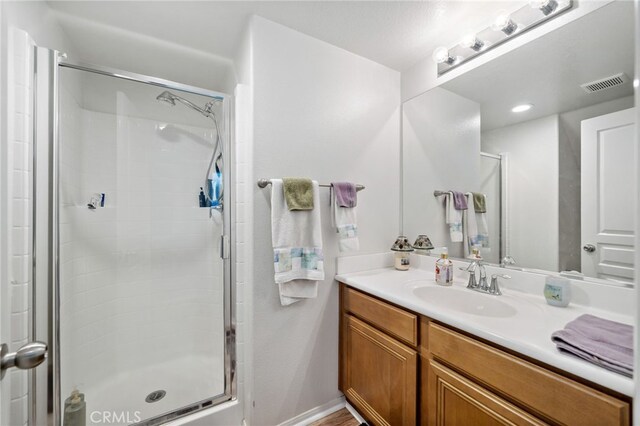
(441,56)
(522,108)
(546,6)
(507,25)
(504,23)
(471,41)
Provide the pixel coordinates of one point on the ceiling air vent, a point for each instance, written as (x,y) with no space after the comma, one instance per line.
(605,83)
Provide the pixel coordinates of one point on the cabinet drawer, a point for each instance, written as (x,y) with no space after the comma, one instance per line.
(546,394)
(399,323)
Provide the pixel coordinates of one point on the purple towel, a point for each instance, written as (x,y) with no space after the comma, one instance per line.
(346,195)
(459,200)
(608,344)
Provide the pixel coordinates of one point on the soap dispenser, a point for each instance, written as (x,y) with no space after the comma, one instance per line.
(444,269)
(75,410)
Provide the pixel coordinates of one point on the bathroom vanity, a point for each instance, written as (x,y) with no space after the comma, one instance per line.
(412,353)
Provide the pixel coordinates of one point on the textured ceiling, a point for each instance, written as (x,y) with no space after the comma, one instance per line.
(394,33)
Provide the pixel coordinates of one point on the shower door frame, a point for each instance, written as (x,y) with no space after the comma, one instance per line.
(51,326)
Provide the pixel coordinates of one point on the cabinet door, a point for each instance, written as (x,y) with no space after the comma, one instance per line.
(453,400)
(379,374)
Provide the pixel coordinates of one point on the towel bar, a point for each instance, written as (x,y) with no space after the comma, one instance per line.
(263,183)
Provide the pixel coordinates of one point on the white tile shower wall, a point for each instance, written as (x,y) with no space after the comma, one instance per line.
(20,195)
(137,276)
(322,112)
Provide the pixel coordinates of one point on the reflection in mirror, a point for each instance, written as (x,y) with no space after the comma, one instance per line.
(557,174)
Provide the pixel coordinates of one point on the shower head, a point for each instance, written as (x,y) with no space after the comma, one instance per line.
(171,98)
(167,97)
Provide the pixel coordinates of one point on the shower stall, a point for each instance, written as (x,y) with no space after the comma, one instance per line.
(135,204)
(493,183)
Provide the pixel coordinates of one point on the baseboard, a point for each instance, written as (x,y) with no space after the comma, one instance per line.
(355,414)
(316,413)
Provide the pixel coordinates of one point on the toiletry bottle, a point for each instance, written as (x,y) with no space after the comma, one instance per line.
(444,269)
(74,392)
(475,253)
(202,199)
(75,413)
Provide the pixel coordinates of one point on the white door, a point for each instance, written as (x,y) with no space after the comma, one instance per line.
(608,196)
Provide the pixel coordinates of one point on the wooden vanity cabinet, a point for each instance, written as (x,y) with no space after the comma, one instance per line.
(379,360)
(397,368)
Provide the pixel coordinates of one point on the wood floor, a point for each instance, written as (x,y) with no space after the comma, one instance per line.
(339,418)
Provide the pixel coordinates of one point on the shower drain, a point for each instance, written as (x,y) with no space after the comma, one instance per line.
(155,396)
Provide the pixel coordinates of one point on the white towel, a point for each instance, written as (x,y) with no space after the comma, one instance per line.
(475,227)
(453,219)
(344,220)
(470,225)
(297,246)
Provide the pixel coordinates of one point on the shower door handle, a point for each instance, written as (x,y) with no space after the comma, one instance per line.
(28,356)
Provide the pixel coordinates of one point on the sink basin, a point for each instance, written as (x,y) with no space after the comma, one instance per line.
(467,301)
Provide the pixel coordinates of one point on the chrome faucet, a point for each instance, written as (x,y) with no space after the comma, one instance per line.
(507,261)
(478,278)
(477,282)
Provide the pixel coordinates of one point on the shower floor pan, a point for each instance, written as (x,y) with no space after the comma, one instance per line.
(135,396)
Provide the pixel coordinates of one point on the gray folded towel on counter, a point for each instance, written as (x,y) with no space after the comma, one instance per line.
(602,342)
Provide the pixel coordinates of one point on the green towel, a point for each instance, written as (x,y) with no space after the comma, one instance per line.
(479,202)
(298,192)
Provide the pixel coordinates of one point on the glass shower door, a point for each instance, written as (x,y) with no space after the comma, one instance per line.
(143,287)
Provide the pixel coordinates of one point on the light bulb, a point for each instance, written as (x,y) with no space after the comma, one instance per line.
(522,108)
(504,23)
(636,83)
(546,6)
(470,41)
(441,55)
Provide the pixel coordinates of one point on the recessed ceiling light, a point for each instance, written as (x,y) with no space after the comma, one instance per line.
(522,108)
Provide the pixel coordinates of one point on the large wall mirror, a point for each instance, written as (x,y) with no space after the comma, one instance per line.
(558,179)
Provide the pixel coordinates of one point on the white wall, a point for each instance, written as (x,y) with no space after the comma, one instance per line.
(440,151)
(532,185)
(130,51)
(322,112)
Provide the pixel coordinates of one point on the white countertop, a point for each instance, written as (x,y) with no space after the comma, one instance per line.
(527,332)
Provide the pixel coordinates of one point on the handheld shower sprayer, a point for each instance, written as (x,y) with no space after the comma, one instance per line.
(171,99)
(214,196)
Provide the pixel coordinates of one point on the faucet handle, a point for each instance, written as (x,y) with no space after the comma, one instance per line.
(494,288)
(471,267)
(472,276)
(508,260)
